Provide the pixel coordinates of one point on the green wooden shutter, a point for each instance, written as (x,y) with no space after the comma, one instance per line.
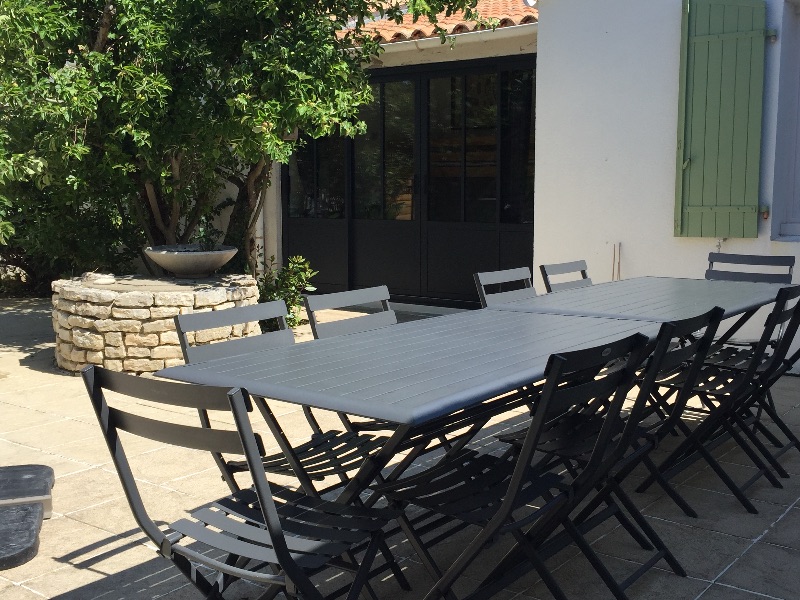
(719,146)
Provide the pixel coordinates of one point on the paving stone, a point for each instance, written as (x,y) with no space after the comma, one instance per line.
(761,490)
(717,512)
(84,489)
(703,554)
(724,592)
(60,537)
(766,569)
(53,434)
(579,580)
(786,531)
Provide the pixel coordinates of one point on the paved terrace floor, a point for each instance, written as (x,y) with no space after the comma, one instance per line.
(92,548)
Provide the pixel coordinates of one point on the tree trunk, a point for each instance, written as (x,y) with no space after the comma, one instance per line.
(240,231)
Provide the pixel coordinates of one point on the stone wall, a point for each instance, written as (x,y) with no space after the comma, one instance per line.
(128,325)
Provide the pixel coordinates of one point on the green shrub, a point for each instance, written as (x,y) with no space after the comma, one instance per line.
(288,284)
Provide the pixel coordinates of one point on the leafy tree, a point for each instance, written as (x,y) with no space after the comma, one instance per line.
(138,112)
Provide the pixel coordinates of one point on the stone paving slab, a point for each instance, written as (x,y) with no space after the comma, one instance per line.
(92,549)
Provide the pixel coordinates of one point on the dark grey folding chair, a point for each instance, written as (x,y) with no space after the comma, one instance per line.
(498,287)
(569,268)
(267,535)
(731,395)
(327,453)
(519,493)
(775,361)
(779,268)
(687,344)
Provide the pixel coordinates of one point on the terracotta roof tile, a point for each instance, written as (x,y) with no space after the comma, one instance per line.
(507,12)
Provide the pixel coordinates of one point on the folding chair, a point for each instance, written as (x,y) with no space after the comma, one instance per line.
(679,346)
(519,278)
(727,393)
(267,535)
(774,363)
(568,268)
(327,453)
(518,493)
(687,343)
(781,267)
(754,268)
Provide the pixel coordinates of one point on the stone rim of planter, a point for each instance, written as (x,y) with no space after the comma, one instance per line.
(188,261)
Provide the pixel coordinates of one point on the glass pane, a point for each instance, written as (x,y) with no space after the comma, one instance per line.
(445,149)
(301,182)
(517,146)
(399,149)
(480,201)
(330,178)
(368,188)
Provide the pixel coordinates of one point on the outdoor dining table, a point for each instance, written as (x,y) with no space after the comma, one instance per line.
(657,299)
(410,373)
(417,372)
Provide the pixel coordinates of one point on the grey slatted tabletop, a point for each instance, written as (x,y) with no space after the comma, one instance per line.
(412,372)
(658,299)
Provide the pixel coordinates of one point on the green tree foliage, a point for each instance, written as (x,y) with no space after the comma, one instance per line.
(136,113)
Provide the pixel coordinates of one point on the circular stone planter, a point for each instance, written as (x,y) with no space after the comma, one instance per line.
(129,325)
(188,261)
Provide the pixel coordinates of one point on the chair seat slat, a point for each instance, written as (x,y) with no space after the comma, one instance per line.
(227,543)
(251,533)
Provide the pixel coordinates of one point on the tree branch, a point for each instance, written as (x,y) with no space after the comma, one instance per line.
(194,218)
(156,211)
(250,245)
(104,26)
(252,179)
(174,218)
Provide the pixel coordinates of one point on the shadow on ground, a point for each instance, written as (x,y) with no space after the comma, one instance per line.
(25,324)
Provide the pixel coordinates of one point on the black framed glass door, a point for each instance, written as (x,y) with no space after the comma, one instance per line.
(439,187)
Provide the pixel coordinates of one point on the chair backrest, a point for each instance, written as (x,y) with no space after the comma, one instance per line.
(375,295)
(125,392)
(574,267)
(520,276)
(593,379)
(781,361)
(780,329)
(681,349)
(205,321)
(781,267)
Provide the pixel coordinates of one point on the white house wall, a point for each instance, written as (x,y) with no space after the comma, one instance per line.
(606,139)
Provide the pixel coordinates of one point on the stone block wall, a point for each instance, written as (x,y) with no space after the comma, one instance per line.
(128,325)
